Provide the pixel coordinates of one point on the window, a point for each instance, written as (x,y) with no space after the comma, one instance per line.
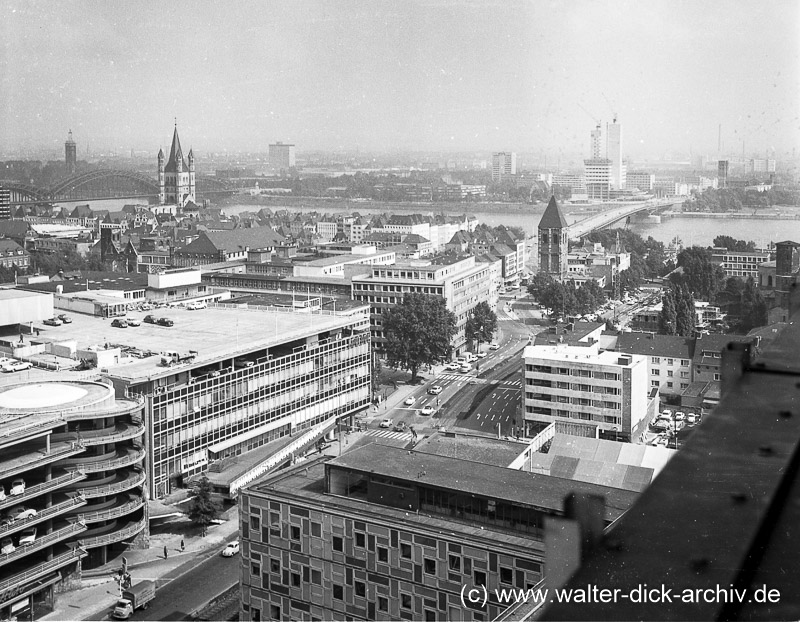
(405,550)
(684,374)
(316,577)
(430,616)
(716,376)
(274,612)
(275,565)
(670,362)
(405,601)
(255,569)
(338,544)
(383,554)
(295,579)
(361,539)
(655,360)
(480,578)
(684,362)
(383,603)
(506,575)
(430,566)
(316,530)
(255,521)
(360,589)
(338,592)
(655,383)
(656,372)
(454,563)
(670,373)
(684,385)
(669,385)
(295,532)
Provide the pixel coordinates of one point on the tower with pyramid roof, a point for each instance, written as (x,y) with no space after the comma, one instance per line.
(553,241)
(176,180)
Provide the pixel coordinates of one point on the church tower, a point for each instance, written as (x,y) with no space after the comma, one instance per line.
(162,196)
(179,179)
(553,241)
(70,154)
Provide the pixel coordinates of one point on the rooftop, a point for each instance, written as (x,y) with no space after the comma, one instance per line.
(565,352)
(494,482)
(472,447)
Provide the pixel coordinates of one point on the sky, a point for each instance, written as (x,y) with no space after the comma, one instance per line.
(401,75)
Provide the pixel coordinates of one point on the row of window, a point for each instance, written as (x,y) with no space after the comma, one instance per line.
(656,360)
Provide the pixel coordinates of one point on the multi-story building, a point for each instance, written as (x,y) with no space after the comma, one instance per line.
(381,533)
(70,154)
(553,241)
(741,264)
(72,455)
(5,203)
(13,255)
(281,156)
(219,246)
(669,359)
(606,389)
(722,174)
(598,178)
(642,180)
(176,180)
(504,164)
(462,283)
(614,154)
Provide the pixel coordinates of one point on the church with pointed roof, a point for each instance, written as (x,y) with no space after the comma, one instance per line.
(176,180)
(553,241)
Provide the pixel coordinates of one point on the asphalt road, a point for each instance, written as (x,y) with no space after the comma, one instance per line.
(178,597)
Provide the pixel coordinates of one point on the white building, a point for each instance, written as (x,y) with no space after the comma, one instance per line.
(504,164)
(281,156)
(607,390)
(614,153)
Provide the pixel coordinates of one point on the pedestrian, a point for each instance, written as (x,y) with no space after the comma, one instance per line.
(183,546)
(165,552)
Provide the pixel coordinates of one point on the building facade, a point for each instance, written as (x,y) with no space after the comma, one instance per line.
(176,180)
(385,534)
(463,283)
(741,264)
(281,156)
(607,389)
(504,164)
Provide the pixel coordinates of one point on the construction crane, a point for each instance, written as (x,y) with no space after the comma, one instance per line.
(611,106)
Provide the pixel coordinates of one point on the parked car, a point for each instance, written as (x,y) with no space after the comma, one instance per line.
(410,400)
(28,536)
(21,513)
(119,323)
(679,416)
(165,321)
(17,486)
(400,427)
(435,390)
(427,411)
(465,368)
(453,366)
(150,319)
(133,322)
(53,321)
(65,318)
(691,418)
(7,546)
(494,346)
(194,306)
(387,423)
(482,354)
(146,306)
(16,366)
(2,494)
(231,549)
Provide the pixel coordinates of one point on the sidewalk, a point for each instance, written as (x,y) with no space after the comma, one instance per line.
(100,591)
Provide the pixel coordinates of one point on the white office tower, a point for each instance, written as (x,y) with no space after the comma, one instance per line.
(614,153)
(504,164)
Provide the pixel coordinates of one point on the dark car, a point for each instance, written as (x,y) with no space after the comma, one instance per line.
(165,321)
(150,319)
(118,323)
(65,318)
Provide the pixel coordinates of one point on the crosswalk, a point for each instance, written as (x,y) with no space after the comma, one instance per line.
(406,436)
(474,380)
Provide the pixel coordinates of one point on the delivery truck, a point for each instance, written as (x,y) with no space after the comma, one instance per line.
(135,597)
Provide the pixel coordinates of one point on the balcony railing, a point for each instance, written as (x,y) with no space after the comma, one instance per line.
(122,431)
(134,478)
(115,411)
(76,500)
(74,554)
(73,528)
(58,451)
(133,503)
(38,489)
(115,536)
(131,456)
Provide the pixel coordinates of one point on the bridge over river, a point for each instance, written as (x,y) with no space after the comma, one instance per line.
(616,212)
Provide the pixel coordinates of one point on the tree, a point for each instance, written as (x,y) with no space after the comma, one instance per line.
(685,317)
(667,321)
(702,277)
(481,324)
(376,375)
(753,308)
(203,509)
(418,332)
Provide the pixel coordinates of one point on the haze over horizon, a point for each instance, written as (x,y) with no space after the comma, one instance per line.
(434,75)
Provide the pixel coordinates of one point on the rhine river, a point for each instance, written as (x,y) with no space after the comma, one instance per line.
(691,231)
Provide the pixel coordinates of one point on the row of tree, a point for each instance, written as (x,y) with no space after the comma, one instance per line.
(678,315)
(565,298)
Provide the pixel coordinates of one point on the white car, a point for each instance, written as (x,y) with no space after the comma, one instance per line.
(387,423)
(427,411)
(21,513)
(465,368)
(453,366)
(17,366)
(679,416)
(195,306)
(435,390)
(7,546)
(409,401)
(494,346)
(28,536)
(481,355)
(691,419)
(17,486)
(231,549)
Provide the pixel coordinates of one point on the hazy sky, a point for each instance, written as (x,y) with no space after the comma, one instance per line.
(409,75)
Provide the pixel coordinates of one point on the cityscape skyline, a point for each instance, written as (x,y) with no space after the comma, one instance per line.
(522,77)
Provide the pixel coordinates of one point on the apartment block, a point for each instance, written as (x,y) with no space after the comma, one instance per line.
(606,389)
(381,533)
(504,165)
(741,264)
(669,359)
(462,282)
